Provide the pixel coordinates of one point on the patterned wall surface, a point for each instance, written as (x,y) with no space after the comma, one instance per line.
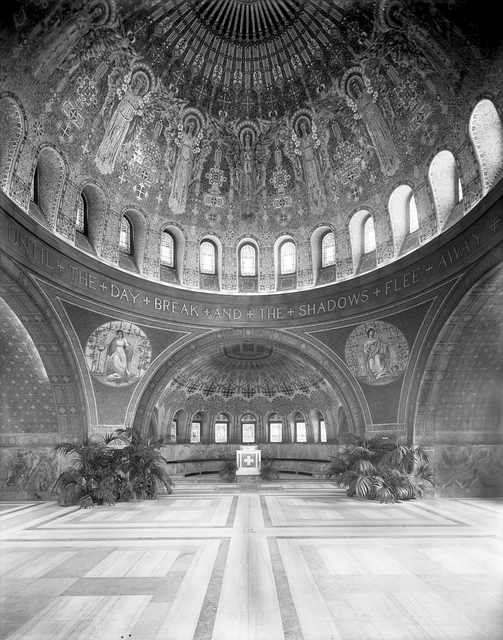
(461,397)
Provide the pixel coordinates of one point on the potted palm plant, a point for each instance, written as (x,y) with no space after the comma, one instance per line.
(381,471)
(124,465)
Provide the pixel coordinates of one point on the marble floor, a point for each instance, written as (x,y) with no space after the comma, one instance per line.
(285,560)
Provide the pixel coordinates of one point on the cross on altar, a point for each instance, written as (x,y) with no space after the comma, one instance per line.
(248,460)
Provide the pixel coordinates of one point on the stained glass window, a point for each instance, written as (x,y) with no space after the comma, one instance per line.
(195,432)
(288,258)
(80,218)
(167,249)
(207,258)
(328,250)
(125,235)
(221,425)
(323,431)
(460,191)
(248,260)
(369,238)
(413,219)
(275,429)
(173,431)
(300,430)
(248,429)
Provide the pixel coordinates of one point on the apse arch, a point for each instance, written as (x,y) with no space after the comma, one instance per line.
(433,350)
(35,316)
(151,388)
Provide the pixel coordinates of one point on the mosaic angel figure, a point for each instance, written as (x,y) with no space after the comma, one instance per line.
(359,107)
(188,146)
(140,99)
(308,154)
(62,40)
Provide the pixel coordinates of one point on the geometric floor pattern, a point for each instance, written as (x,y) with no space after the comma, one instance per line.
(275,561)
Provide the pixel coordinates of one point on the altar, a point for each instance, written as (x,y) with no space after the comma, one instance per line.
(248,459)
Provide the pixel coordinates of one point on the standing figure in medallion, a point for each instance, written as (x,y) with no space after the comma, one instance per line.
(119,356)
(377,356)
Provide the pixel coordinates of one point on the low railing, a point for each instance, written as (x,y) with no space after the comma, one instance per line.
(199,466)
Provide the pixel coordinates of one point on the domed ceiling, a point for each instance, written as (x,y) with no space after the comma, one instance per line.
(248,368)
(247,118)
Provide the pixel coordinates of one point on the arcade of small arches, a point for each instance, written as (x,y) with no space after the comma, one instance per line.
(249,428)
(368,238)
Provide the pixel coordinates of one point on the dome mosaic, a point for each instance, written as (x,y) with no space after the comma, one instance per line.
(316,128)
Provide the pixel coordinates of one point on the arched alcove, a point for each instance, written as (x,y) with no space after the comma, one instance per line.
(486,134)
(49,174)
(12,134)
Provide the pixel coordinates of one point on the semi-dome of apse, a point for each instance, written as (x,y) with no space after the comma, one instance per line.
(251,145)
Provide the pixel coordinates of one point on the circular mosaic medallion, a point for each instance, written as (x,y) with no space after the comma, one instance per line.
(377,352)
(118,353)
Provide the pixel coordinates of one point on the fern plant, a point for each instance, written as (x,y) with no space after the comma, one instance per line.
(102,472)
(386,472)
(227,470)
(268,469)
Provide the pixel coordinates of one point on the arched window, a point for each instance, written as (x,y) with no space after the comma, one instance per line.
(275,428)
(287,258)
(413,219)
(35,186)
(323,429)
(486,134)
(300,428)
(248,428)
(459,194)
(167,249)
(328,249)
(173,429)
(248,260)
(195,429)
(369,237)
(81,215)
(221,429)
(207,258)
(125,237)
(445,180)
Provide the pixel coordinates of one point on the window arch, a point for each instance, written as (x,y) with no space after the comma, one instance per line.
(248,428)
(444,180)
(275,428)
(207,258)
(486,134)
(369,236)
(412,216)
(328,249)
(195,429)
(167,249)
(323,428)
(126,236)
(35,186)
(300,428)
(404,219)
(248,260)
(221,429)
(287,258)
(81,216)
